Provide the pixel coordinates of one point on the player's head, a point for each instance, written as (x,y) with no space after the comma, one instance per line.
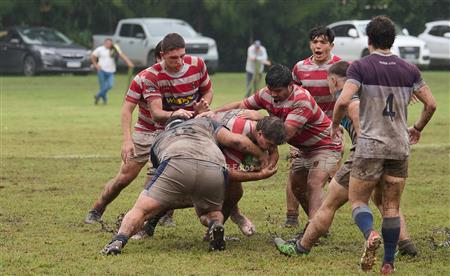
(108,43)
(174,121)
(381,32)
(279,82)
(321,43)
(157,54)
(270,132)
(173,51)
(337,75)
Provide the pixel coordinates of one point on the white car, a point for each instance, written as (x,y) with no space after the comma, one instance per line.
(437,37)
(350,43)
(138,37)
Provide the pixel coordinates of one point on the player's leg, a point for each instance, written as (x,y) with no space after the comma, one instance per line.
(145,206)
(405,245)
(292,203)
(245,224)
(127,173)
(394,183)
(366,172)
(207,195)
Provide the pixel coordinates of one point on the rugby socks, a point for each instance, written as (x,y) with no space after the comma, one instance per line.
(122,238)
(300,249)
(362,215)
(390,230)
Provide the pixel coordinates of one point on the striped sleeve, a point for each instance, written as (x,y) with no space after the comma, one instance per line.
(254,101)
(205,82)
(296,74)
(150,88)
(354,75)
(134,91)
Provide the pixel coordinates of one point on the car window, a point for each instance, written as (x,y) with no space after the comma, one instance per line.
(126,30)
(44,36)
(342,30)
(439,30)
(137,29)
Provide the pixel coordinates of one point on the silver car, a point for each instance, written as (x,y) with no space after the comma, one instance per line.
(437,37)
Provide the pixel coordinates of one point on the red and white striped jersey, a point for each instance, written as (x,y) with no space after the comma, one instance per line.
(313,78)
(301,111)
(237,125)
(176,90)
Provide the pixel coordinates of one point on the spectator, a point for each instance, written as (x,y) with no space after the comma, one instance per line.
(256,59)
(103,59)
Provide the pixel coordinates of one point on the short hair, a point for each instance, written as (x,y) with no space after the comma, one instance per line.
(381,32)
(273,129)
(321,31)
(278,76)
(339,69)
(158,51)
(171,42)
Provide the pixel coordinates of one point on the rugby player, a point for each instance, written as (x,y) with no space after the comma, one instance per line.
(177,86)
(337,194)
(190,164)
(307,128)
(311,74)
(385,84)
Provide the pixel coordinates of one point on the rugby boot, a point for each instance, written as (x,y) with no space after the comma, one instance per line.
(245,225)
(216,233)
(288,248)
(387,269)
(371,245)
(113,248)
(93,216)
(406,247)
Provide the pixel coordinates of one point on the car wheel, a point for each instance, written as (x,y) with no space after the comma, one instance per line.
(151,58)
(29,66)
(365,52)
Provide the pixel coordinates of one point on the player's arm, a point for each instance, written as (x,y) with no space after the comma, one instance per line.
(125,122)
(94,60)
(236,175)
(424,95)
(341,106)
(161,116)
(226,107)
(353,114)
(241,143)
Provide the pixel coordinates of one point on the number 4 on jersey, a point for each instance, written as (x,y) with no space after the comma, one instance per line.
(388,109)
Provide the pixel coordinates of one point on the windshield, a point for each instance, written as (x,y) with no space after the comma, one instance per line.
(161,29)
(362,29)
(44,36)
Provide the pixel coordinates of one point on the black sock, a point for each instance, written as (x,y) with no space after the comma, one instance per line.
(121,237)
(391,231)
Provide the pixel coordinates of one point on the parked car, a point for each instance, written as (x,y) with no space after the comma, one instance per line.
(31,50)
(138,37)
(437,37)
(350,43)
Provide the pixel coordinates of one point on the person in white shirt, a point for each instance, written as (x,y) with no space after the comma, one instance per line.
(256,59)
(103,59)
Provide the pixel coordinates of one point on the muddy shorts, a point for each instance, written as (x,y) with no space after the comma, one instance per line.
(342,176)
(324,160)
(176,179)
(143,142)
(371,169)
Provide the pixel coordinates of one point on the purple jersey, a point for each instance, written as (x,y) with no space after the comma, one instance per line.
(385,83)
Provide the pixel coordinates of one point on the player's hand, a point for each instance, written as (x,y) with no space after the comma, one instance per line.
(201,106)
(97,67)
(248,114)
(268,171)
(414,135)
(264,160)
(127,151)
(186,114)
(413,99)
(209,113)
(336,132)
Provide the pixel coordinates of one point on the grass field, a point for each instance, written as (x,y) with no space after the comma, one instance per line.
(58,149)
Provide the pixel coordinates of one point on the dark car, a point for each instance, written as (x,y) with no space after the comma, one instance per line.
(31,50)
